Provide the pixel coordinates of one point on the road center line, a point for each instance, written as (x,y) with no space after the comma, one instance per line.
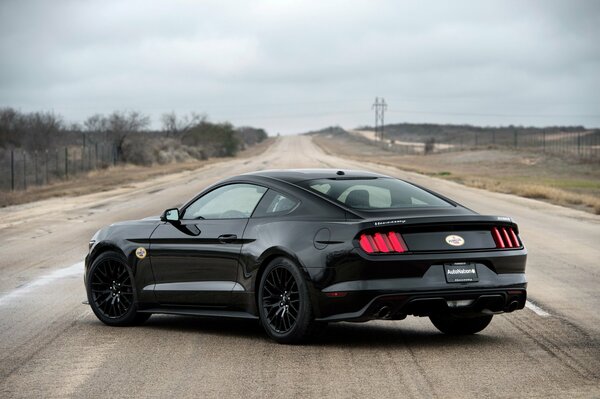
(73,270)
(536,309)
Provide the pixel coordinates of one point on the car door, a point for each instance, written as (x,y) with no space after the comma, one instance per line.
(195,260)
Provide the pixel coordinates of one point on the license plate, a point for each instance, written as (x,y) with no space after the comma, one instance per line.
(461,273)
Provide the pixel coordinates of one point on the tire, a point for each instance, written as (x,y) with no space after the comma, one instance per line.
(111,291)
(284,304)
(460,326)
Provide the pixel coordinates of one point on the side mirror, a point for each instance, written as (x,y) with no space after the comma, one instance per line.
(170,215)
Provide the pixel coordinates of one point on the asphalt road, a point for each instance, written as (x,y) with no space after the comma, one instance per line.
(52,346)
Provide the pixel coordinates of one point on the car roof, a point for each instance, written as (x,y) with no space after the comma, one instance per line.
(297,175)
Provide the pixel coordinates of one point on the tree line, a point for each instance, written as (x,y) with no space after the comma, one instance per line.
(181,137)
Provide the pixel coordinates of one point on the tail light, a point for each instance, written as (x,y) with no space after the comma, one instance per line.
(505,237)
(390,242)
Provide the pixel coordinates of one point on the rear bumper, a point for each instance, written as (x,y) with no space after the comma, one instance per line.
(395,298)
(396,306)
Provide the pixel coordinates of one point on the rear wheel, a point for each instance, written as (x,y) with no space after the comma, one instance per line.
(111,291)
(284,304)
(452,325)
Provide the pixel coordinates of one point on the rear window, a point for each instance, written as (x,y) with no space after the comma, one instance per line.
(375,193)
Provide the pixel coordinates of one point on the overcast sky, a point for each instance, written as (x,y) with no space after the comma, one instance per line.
(292,66)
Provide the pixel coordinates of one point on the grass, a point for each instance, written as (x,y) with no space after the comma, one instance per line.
(548,178)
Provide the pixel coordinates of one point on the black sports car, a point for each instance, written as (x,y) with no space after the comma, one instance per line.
(297,249)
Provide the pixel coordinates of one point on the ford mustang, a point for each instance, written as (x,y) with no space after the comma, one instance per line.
(297,249)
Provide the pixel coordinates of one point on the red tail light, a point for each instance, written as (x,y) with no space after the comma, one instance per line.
(505,237)
(391,242)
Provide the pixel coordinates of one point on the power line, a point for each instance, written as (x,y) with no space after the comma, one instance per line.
(379,106)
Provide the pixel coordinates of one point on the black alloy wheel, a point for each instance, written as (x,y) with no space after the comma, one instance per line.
(284,304)
(281,300)
(111,292)
(111,289)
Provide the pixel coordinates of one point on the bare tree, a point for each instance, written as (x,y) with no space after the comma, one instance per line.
(122,124)
(34,131)
(96,123)
(178,126)
(10,125)
(42,129)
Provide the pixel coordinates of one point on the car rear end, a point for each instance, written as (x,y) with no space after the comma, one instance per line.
(465,265)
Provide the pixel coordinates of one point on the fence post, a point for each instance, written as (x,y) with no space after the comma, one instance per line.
(35,166)
(46,164)
(516,139)
(12,170)
(579,144)
(57,168)
(24,170)
(66,163)
(494,136)
(476,139)
(96,156)
(544,140)
(114,155)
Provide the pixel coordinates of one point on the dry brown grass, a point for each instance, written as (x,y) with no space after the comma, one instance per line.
(112,177)
(552,179)
(540,192)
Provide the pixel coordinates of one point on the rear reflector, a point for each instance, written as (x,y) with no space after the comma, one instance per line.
(390,242)
(505,237)
(336,294)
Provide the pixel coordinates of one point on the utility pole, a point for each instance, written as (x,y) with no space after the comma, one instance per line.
(379,106)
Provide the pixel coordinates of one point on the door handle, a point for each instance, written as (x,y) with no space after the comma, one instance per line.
(227,238)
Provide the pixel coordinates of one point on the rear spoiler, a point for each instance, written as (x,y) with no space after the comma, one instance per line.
(438,220)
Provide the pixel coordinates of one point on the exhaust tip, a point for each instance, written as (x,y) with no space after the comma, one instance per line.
(513,306)
(384,312)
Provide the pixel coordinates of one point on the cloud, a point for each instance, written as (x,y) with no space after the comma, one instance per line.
(295,65)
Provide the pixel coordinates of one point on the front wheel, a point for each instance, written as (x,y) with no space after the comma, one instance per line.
(460,326)
(284,303)
(111,292)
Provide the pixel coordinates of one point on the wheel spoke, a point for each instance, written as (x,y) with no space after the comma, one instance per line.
(289,283)
(271,293)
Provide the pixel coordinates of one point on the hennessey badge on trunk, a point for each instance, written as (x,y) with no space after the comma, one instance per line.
(454,240)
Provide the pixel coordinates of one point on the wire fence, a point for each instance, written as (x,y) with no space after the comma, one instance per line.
(584,145)
(20,170)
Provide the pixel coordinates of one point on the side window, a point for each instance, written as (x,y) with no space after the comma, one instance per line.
(274,204)
(228,202)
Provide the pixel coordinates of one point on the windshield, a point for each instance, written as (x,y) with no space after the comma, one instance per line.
(374,193)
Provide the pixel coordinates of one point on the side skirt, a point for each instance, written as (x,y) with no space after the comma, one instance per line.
(231,314)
